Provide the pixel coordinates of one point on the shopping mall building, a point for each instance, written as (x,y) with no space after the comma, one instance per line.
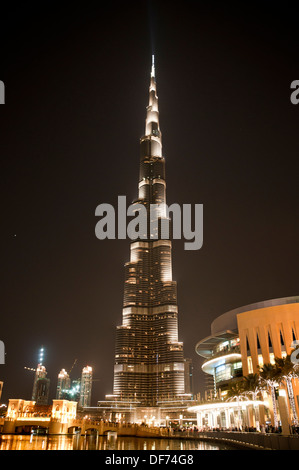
(241,341)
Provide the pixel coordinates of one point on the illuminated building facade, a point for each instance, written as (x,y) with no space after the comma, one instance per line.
(40,382)
(86,387)
(243,340)
(42,391)
(73,394)
(41,386)
(63,384)
(149,360)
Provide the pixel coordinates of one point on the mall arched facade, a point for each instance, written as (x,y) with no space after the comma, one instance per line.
(244,339)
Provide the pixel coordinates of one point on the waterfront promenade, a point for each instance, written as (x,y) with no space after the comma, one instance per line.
(243,440)
(249,440)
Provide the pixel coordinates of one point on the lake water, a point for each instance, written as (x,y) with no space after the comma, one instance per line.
(12,442)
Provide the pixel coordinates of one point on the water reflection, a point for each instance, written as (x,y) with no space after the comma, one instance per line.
(95,442)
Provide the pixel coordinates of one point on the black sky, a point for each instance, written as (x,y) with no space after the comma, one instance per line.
(76,91)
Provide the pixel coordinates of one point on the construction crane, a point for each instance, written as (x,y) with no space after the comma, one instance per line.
(74,363)
(40,360)
(34,370)
(30,368)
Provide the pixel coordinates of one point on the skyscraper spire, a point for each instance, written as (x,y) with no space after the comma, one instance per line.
(151,144)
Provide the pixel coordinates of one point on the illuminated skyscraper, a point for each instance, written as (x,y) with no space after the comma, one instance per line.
(42,391)
(149,360)
(41,385)
(86,387)
(63,384)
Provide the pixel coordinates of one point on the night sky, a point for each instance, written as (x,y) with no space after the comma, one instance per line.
(77,83)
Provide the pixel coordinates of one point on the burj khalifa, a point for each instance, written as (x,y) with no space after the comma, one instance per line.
(149,358)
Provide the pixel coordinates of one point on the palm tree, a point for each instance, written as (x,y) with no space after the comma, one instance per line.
(235,392)
(252,387)
(286,372)
(269,375)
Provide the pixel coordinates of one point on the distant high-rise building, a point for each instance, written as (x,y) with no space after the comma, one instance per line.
(42,391)
(63,384)
(41,385)
(40,373)
(86,386)
(73,394)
